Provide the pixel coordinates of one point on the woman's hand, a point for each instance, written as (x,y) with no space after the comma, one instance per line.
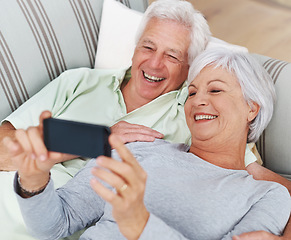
(129,132)
(129,180)
(30,156)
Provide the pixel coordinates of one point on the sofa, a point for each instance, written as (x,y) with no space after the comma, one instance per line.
(39,39)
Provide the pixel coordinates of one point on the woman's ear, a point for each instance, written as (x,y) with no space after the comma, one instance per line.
(254,109)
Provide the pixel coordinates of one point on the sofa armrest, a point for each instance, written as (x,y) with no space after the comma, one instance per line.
(274,144)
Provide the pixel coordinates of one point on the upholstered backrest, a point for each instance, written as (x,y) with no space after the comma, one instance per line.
(40,39)
(274,144)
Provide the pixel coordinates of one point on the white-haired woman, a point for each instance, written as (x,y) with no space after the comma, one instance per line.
(173,191)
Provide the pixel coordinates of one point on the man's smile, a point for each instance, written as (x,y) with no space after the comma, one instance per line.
(152,78)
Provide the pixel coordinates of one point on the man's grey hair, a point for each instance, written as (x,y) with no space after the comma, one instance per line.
(183,13)
(256,84)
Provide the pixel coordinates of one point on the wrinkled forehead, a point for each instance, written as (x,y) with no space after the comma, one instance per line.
(168,34)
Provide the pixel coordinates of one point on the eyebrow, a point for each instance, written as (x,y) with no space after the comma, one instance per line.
(147,41)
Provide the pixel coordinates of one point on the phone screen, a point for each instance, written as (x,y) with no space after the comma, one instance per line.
(77,138)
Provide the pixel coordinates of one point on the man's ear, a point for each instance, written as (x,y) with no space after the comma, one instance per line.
(254,109)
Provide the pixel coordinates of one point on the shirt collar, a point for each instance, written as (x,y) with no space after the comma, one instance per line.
(125,75)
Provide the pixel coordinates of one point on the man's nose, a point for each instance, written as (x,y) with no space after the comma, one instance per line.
(156,60)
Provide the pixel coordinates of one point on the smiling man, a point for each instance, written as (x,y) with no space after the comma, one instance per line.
(139,104)
(132,102)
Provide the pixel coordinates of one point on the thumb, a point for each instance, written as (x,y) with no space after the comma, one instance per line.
(43,115)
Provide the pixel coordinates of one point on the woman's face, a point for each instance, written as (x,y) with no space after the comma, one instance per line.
(216,110)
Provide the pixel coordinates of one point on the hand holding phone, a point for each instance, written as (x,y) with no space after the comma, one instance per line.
(77,138)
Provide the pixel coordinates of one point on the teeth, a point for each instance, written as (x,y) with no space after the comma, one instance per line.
(204,117)
(153,78)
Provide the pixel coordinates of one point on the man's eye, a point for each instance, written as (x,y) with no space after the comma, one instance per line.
(173,58)
(148,47)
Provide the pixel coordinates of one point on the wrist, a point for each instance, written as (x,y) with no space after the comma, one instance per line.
(140,225)
(32,189)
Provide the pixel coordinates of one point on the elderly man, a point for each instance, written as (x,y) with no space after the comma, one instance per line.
(139,104)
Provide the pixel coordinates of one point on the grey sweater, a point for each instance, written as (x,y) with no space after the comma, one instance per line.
(187,197)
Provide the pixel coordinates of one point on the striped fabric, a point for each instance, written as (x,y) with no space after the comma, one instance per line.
(39,39)
(274,144)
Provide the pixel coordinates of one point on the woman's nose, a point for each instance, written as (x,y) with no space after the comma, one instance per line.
(200,99)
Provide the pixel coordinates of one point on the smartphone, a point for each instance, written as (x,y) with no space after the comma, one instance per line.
(77,138)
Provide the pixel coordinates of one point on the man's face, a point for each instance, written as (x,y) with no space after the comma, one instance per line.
(160,60)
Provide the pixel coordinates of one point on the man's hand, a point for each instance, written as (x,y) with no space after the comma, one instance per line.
(6,130)
(128,132)
(258,235)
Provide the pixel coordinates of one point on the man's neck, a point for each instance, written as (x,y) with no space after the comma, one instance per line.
(131,99)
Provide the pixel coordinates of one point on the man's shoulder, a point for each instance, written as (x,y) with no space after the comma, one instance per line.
(77,72)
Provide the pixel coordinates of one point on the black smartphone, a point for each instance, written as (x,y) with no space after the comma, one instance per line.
(77,138)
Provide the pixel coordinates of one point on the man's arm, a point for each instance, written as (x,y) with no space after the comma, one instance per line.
(262,235)
(261,173)
(6,130)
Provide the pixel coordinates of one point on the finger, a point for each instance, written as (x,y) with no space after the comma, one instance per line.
(23,140)
(12,146)
(122,150)
(257,235)
(125,127)
(114,180)
(105,193)
(125,172)
(133,137)
(43,115)
(37,143)
(144,130)
(130,174)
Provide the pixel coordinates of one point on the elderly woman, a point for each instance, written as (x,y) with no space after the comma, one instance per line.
(160,190)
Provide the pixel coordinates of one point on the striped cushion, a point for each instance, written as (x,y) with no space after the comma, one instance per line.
(274,144)
(39,39)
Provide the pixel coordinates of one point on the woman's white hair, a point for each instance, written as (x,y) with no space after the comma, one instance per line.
(183,13)
(256,84)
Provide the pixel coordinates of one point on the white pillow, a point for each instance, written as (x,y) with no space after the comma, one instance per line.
(116,41)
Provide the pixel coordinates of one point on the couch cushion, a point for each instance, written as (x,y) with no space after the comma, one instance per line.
(274,144)
(41,39)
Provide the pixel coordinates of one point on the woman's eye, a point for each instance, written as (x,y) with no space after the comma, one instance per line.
(215,91)
(192,94)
